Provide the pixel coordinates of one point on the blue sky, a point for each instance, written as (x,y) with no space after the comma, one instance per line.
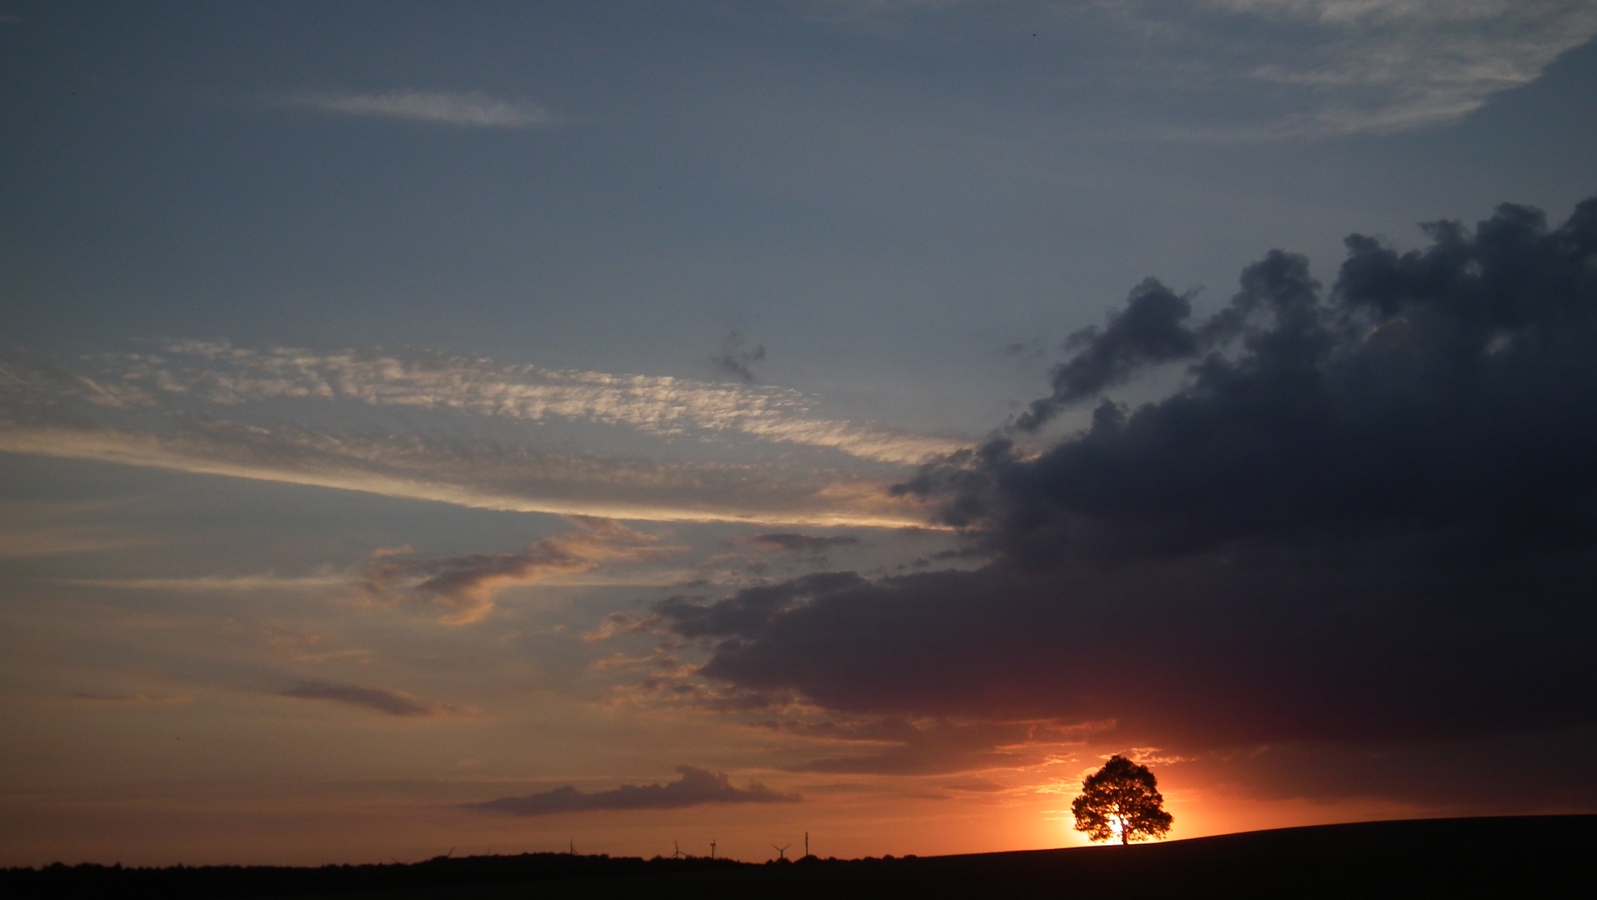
(395,347)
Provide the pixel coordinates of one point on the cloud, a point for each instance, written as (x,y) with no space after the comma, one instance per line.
(129,699)
(61,540)
(462,588)
(746,611)
(1369,517)
(899,745)
(698,787)
(736,361)
(165,408)
(383,700)
(800,543)
(1150,330)
(214,583)
(220,374)
(1243,70)
(467,110)
(1272,69)
(482,474)
(617,623)
(1389,65)
(973,785)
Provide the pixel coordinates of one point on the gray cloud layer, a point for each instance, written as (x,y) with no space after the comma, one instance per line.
(698,787)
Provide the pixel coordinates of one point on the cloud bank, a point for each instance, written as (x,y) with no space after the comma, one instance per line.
(698,787)
(1369,517)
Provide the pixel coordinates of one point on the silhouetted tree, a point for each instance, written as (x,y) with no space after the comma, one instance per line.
(1122,794)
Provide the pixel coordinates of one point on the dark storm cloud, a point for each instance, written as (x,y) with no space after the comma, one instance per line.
(1370,515)
(898,745)
(747,611)
(1447,393)
(393,703)
(1551,771)
(698,787)
(800,542)
(1150,330)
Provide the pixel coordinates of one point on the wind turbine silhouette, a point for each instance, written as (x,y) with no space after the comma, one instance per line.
(676,852)
(781,851)
(712,848)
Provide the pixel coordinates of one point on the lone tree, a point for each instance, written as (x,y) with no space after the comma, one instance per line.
(1121,797)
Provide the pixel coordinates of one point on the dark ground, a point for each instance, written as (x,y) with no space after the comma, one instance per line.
(1538,856)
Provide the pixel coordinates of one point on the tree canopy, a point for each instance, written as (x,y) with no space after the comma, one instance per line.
(1121,798)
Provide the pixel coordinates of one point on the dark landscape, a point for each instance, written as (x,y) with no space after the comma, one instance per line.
(1548,856)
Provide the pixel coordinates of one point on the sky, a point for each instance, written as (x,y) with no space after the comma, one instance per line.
(503,427)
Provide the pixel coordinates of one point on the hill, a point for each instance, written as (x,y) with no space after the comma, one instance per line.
(1549,856)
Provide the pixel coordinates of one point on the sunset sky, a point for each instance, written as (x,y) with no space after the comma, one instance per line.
(507,426)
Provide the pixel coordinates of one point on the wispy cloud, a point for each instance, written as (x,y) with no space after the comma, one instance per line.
(1274,69)
(736,361)
(460,109)
(698,787)
(214,583)
(63,540)
(462,588)
(167,406)
(222,374)
(484,475)
(1350,66)
(383,700)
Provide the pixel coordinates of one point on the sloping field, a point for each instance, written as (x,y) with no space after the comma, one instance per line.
(1537,856)
(1542,857)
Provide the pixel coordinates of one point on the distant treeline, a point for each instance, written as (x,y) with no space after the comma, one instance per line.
(93,880)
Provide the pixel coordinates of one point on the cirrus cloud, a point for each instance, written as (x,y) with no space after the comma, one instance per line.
(468,109)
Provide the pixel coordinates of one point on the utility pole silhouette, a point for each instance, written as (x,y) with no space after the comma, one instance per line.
(712,848)
(806,843)
(572,847)
(781,852)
